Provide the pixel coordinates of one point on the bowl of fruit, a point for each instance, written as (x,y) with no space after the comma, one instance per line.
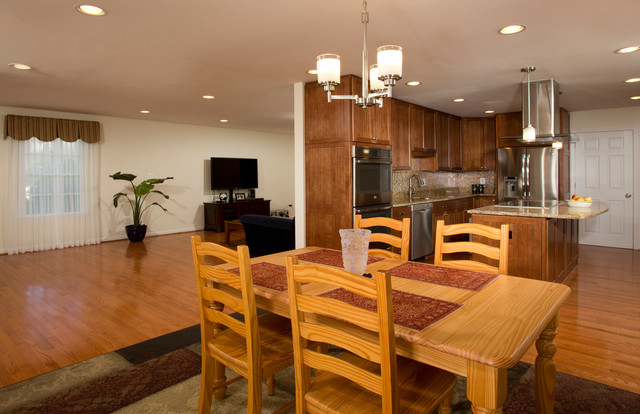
(577,201)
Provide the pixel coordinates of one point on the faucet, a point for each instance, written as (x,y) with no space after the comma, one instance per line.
(420,182)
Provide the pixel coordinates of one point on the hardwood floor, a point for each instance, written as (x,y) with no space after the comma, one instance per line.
(64,306)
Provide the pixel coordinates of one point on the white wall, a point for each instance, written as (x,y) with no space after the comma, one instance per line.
(182,151)
(613,120)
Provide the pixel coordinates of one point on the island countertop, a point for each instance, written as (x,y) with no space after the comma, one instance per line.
(561,211)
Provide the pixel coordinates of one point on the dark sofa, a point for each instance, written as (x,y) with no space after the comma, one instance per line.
(267,235)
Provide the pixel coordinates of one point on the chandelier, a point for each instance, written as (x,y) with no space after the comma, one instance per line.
(382,76)
(529,132)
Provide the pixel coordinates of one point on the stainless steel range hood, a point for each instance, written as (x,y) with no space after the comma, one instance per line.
(545,112)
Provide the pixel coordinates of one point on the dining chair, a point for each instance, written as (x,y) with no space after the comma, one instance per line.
(367,377)
(498,253)
(399,242)
(254,347)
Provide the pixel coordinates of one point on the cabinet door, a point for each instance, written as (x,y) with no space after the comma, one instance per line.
(416,126)
(489,144)
(455,143)
(472,143)
(508,125)
(327,121)
(429,140)
(370,125)
(442,143)
(400,143)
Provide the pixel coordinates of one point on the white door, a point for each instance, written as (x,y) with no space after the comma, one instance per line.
(604,171)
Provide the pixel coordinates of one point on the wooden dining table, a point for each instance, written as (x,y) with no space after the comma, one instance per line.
(486,327)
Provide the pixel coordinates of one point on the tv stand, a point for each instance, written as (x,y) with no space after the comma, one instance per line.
(216,213)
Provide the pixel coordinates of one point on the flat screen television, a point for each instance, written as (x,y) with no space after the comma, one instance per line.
(230,173)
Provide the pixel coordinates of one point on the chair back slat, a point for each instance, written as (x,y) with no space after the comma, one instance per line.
(216,295)
(228,278)
(401,242)
(319,319)
(478,246)
(335,308)
(324,362)
(226,320)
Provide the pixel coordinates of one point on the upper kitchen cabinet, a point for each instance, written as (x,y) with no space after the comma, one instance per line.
(370,125)
(400,127)
(508,125)
(341,120)
(478,144)
(448,142)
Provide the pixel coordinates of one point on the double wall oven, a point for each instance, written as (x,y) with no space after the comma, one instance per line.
(372,191)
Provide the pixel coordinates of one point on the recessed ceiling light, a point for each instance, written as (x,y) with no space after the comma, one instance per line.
(224,121)
(633,80)
(20,66)
(208,97)
(145,111)
(635,98)
(414,83)
(91,10)
(312,71)
(489,111)
(628,49)
(458,100)
(513,29)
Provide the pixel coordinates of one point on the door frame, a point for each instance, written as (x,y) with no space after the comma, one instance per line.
(636,174)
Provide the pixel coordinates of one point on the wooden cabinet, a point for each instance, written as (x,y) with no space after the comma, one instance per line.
(478,144)
(370,125)
(483,201)
(215,214)
(400,134)
(448,142)
(429,142)
(564,158)
(452,212)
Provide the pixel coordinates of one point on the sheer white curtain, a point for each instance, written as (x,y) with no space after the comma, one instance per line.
(52,199)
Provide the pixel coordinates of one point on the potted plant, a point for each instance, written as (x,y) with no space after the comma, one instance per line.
(137,230)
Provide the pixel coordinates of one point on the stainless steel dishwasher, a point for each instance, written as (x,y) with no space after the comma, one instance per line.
(421,230)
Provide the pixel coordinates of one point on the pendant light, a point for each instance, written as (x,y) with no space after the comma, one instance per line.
(529,132)
(383,75)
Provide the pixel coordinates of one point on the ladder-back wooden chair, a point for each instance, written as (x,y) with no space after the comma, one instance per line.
(498,253)
(367,377)
(400,242)
(255,348)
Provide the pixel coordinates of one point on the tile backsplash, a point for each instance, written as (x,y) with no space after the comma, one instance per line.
(461,181)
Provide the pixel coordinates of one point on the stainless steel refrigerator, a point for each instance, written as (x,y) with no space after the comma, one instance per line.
(528,173)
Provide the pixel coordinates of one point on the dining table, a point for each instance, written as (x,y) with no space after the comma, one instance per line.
(473,324)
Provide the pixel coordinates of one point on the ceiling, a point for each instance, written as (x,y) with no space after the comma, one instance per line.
(164,55)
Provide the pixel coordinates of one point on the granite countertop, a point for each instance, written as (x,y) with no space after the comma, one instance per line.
(561,211)
(433,196)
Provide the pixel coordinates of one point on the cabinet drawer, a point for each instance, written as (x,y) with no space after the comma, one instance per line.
(444,206)
(400,213)
(465,204)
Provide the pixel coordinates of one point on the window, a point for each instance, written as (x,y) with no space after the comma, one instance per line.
(51,177)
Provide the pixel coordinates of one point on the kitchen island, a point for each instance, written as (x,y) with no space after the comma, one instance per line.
(543,242)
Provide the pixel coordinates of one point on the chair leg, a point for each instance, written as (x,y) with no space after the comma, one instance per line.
(206,385)
(270,385)
(445,405)
(254,397)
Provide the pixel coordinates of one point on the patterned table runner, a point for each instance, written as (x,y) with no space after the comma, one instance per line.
(446,276)
(267,275)
(410,311)
(330,257)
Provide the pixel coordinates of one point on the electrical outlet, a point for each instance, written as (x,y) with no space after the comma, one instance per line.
(483,181)
(127,221)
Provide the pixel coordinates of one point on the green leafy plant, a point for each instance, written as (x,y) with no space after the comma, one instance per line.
(140,193)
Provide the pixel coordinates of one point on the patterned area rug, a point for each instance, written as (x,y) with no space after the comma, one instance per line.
(162,376)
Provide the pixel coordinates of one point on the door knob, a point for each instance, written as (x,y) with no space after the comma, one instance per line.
(627,195)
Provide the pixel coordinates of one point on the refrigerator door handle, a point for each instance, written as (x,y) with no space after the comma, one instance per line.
(524,176)
(528,172)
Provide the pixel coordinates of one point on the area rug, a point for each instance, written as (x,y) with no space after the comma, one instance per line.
(162,376)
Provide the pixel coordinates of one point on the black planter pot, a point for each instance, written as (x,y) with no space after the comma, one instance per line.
(136,233)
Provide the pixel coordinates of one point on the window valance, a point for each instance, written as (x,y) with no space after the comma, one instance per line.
(23,128)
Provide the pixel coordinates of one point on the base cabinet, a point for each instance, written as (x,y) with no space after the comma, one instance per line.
(215,214)
(539,248)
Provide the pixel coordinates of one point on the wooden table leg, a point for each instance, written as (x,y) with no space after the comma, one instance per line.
(486,388)
(546,368)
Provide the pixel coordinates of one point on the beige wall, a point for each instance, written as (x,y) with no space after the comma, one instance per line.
(162,149)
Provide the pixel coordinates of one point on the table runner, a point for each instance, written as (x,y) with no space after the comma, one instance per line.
(445,276)
(410,311)
(268,275)
(330,257)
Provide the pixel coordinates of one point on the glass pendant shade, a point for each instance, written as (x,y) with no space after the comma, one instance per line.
(390,62)
(375,84)
(529,134)
(328,66)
